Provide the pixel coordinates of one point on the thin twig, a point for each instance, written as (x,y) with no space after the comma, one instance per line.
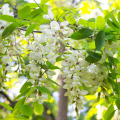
(39,6)
(32,32)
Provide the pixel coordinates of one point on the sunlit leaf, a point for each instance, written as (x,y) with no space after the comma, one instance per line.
(43,90)
(7,18)
(100,23)
(109,113)
(6,106)
(38,108)
(27,110)
(24,12)
(30,29)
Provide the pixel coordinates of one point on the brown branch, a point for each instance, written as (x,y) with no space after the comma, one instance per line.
(32,32)
(7,97)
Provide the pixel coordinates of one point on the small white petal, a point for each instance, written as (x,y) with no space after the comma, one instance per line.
(54,25)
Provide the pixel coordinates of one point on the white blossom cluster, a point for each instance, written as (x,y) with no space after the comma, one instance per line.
(109,50)
(81,77)
(4,49)
(44,49)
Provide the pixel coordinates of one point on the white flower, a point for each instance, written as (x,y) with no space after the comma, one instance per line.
(6,9)
(93,69)
(54,25)
(46,17)
(50,14)
(34,75)
(109,52)
(48,32)
(44,27)
(83,92)
(32,81)
(6,59)
(2,48)
(64,24)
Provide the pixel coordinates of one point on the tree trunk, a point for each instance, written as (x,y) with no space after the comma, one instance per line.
(63,101)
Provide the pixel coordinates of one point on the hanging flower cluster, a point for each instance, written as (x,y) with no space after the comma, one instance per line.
(42,51)
(82,77)
(5,46)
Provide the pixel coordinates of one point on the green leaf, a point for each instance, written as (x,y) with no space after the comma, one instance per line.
(100,39)
(92,25)
(9,29)
(109,113)
(24,12)
(108,37)
(43,90)
(118,104)
(22,117)
(25,87)
(44,1)
(112,60)
(91,20)
(26,60)
(44,8)
(30,29)
(51,66)
(114,20)
(26,110)
(112,25)
(6,106)
(18,105)
(23,22)
(6,0)
(100,23)
(30,91)
(93,57)
(70,19)
(59,59)
(109,15)
(94,54)
(119,16)
(81,34)
(32,5)
(7,18)
(20,95)
(38,108)
(53,82)
(83,22)
(34,14)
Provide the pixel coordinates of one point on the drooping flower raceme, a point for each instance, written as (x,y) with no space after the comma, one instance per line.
(44,50)
(79,75)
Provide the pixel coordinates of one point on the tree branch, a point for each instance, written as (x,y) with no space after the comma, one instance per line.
(32,32)
(7,97)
